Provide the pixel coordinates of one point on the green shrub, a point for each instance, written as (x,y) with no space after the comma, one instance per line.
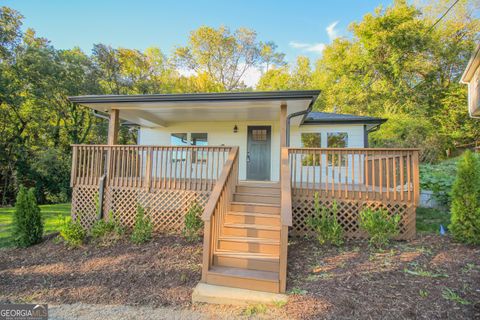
(193,222)
(73,232)
(27,220)
(142,231)
(325,224)
(379,225)
(107,231)
(465,211)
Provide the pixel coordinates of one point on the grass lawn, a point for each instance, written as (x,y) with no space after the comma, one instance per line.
(52,215)
(429,220)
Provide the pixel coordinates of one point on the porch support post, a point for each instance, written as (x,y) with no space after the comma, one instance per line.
(283,125)
(113,125)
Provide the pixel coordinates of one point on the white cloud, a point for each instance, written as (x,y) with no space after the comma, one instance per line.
(332,33)
(309,47)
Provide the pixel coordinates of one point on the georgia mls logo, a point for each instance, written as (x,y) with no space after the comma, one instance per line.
(23,312)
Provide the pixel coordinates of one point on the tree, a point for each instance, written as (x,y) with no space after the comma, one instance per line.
(465,210)
(27,222)
(225,56)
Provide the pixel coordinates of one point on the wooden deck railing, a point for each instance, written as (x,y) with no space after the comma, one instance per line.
(148,167)
(356,174)
(285,215)
(217,207)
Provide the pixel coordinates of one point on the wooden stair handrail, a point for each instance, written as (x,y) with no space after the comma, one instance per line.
(219,185)
(286,190)
(285,216)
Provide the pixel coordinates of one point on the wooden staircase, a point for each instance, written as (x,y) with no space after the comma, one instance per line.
(247,251)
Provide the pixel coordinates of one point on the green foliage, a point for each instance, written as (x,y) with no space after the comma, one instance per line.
(72,232)
(107,231)
(27,220)
(142,231)
(465,210)
(193,222)
(325,224)
(252,310)
(379,225)
(439,178)
(451,295)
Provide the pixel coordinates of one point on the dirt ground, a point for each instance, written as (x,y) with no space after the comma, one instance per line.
(429,278)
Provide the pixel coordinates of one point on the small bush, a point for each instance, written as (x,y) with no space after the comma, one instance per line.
(465,218)
(142,231)
(193,222)
(72,232)
(27,220)
(379,225)
(325,224)
(107,231)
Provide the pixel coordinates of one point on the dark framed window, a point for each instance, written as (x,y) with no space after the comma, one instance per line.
(337,140)
(311,140)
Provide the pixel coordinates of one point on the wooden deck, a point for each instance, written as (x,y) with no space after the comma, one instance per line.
(247,224)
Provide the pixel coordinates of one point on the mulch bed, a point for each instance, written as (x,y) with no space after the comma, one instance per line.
(410,280)
(161,272)
(428,278)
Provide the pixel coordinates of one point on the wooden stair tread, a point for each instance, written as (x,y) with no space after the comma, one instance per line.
(248,255)
(249,239)
(245,273)
(253,214)
(257,194)
(252,226)
(256,204)
(271,185)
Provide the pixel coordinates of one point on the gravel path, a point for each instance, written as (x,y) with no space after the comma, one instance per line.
(83,311)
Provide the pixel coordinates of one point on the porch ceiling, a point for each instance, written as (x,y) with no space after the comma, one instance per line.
(163,110)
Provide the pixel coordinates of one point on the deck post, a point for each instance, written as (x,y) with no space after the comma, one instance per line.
(283,128)
(113,125)
(283,125)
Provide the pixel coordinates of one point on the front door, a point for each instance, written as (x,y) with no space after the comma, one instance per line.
(258,152)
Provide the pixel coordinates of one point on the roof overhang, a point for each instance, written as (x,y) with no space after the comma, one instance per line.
(160,110)
(472,65)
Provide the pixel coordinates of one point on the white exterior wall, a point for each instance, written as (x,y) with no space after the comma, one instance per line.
(221,133)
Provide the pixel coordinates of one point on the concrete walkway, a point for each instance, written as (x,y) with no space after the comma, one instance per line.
(82,311)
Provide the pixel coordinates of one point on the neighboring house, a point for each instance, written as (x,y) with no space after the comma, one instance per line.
(254,161)
(471,77)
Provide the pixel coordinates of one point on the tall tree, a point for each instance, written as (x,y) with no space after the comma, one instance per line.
(225,56)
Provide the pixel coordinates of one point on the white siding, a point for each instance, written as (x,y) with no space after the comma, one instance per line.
(221,133)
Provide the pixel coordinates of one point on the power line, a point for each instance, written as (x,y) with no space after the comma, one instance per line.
(443,16)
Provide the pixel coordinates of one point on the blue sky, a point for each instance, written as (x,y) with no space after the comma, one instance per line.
(297,27)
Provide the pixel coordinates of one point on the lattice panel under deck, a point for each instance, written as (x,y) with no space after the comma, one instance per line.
(84,204)
(166,208)
(348,212)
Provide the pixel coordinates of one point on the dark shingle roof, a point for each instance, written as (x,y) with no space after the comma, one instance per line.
(333,118)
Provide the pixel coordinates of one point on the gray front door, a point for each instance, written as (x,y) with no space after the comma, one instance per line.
(258,152)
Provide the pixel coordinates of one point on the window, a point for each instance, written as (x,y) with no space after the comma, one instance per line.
(259,135)
(337,140)
(311,140)
(189,139)
(179,139)
(199,139)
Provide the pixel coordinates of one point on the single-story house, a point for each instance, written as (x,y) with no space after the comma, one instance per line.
(253,160)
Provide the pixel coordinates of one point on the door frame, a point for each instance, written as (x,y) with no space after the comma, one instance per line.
(269,141)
